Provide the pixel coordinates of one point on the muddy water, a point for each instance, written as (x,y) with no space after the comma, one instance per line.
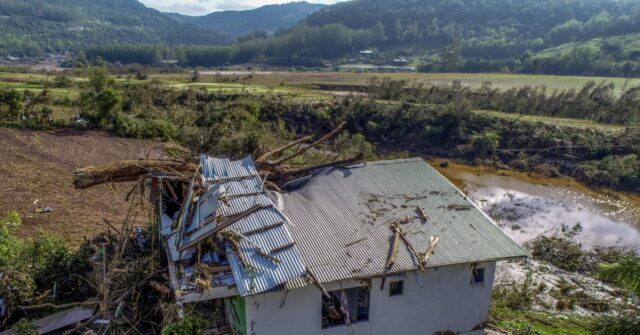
(527,206)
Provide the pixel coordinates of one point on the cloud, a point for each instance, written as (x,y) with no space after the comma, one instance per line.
(203,7)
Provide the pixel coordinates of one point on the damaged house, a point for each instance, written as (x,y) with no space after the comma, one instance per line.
(372,248)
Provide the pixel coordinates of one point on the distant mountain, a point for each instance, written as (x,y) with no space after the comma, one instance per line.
(34,27)
(267,18)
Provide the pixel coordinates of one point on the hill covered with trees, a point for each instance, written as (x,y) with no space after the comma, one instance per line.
(35,27)
(264,19)
(578,37)
(592,36)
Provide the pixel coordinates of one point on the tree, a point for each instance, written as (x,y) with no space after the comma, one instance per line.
(626,274)
(451,58)
(10,104)
(100,101)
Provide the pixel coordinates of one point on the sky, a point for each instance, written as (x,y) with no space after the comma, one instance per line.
(203,7)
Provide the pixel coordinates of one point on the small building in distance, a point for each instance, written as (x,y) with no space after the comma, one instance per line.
(374,248)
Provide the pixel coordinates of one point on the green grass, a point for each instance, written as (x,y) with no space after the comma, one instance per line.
(577,123)
(543,323)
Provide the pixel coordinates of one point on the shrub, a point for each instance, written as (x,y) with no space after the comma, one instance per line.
(189,325)
(558,251)
(10,246)
(62,81)
(518,296)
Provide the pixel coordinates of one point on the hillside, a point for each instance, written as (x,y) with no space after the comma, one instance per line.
(597,37)
(267,18)
(495,34)
(35,27)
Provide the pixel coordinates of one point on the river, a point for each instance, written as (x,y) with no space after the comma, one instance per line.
(526,206)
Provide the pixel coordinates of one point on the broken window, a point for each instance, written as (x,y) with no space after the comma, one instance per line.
(345,307)
(478,275)
(396,288)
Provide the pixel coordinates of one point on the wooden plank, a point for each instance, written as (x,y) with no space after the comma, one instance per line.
(263,229)
(286,246)
(58,320)
(63,319)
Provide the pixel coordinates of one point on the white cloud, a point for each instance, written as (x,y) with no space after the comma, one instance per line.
(202,7)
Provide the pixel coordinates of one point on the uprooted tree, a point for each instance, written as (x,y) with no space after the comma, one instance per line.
(272,170)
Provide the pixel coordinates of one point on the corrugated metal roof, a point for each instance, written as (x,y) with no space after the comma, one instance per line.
(216,169)
(342,220)
(238,183)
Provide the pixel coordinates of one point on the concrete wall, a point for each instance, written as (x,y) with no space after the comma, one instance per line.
(447,301)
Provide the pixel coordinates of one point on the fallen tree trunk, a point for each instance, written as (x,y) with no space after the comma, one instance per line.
(127,171)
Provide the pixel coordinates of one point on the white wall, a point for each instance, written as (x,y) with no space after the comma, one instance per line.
(448,301)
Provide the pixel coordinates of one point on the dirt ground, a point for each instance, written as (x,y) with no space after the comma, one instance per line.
(36,171)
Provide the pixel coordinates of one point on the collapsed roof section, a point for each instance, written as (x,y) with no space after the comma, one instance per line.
(250,230)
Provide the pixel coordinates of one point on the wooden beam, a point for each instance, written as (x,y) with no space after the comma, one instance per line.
(286,246)
(393,252)
(432,245)
(263,229)
(224,225)
(316,283)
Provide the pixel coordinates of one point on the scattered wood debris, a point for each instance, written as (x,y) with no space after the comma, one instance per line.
(423,213)
(400,234)
(458,207)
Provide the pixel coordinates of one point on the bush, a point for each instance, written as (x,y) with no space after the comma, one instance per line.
(485,144)
(560,252)
(62,81)
(10,246)
(37,264)
(625,324)
(517,297)
(189,325)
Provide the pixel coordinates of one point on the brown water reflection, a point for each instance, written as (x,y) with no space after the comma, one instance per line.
(527,206)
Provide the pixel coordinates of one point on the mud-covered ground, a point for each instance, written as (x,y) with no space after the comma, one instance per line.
(36,172)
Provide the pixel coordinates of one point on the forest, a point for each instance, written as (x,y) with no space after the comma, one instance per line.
(33,28)
(579,37)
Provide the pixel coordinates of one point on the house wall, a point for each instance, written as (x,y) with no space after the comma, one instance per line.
(447,301)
